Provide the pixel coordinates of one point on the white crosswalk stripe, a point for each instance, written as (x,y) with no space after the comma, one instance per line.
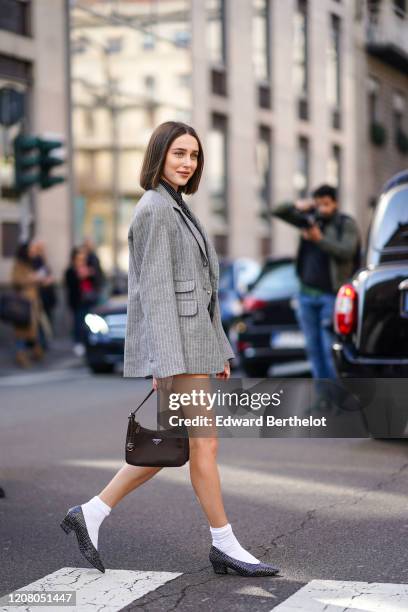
(111,591)
(342,595)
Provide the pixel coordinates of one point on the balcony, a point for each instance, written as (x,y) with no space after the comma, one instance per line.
(387,33)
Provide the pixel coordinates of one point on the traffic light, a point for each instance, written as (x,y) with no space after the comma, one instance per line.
(26,162)
(49,161)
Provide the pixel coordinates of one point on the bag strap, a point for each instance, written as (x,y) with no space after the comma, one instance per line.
(132,414)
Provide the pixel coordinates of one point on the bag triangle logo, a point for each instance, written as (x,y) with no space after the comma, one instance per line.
(157,440)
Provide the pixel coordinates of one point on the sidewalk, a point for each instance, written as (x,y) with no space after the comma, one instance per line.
(59,356)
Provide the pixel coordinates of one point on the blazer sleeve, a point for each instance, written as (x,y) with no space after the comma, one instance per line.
(153,255)
(222,337)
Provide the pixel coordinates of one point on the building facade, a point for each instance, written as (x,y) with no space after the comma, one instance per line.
(280,93)
(131,70)
(383,106)
(34,62)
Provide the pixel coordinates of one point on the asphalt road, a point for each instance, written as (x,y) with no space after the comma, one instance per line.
(319,509)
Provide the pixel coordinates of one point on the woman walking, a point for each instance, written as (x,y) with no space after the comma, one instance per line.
(174,333)
(27,282)
(81,295)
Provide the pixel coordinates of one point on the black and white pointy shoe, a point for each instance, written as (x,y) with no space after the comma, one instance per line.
(222,562)
(75,521)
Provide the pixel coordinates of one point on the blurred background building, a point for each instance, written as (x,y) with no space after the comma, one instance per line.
(382,49)
(34,61)
(285,95)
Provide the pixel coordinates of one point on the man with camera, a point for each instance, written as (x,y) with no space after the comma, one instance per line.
(327,256)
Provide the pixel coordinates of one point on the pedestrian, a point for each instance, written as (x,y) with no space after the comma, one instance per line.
(26,282)
(94,264)
(174,333)
(82,295)
(327,257)
(48,294)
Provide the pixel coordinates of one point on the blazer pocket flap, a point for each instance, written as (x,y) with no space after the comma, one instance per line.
(187,308)
(180,286)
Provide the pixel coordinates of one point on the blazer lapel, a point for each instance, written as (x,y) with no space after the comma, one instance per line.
(212,254)
(197,235)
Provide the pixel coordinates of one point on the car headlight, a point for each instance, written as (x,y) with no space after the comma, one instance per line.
(96,324)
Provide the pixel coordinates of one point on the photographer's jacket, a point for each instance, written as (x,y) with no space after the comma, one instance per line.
(172,289)
(340,242)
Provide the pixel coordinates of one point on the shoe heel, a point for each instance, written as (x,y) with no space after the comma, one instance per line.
(219,568)
(66,525)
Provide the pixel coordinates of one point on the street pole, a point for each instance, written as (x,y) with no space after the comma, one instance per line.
(69,147)
(115,187)
(114,114)
(26,216)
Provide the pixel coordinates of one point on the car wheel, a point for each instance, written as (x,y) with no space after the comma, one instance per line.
(102,368)
(255,371)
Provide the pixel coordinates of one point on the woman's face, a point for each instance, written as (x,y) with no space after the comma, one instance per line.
(80,259)
(181,161)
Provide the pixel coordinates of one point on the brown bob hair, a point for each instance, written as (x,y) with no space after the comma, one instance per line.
(155,155)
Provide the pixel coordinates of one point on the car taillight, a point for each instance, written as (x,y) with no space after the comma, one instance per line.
(252,303)
(242,345)
(345,310)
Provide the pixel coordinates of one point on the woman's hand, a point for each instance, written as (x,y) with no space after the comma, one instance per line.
(163,384)
(226,373)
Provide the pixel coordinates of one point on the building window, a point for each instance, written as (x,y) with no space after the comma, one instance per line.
(79,46)
(18,102)
(300,60)
(10,233)
(150,84)
(373,86)
(265,244)
(15,16)
(261,40)
(150,103)
(334,168)
(301,177)
(261,28)
(216,43)
(221,244)
(114,45)
(89,123)
(334,70)
(217,165)
(148,41)
(263,166)
(184,79)
(399,112)
(182,39)
(399,109)
(216,32)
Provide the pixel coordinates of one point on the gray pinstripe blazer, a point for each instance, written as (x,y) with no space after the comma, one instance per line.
(171,283)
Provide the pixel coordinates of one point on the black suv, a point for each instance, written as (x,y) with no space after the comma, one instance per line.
(371,312)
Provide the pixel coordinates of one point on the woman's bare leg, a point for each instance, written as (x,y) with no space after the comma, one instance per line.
(206,479)
(128,478)
(204,473)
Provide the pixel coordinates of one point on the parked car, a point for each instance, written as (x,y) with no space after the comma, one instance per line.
(105,340)
(106,324)
(371,312)
(235,276)
(268,332)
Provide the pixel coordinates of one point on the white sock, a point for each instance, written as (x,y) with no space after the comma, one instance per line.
(224,539)
(94,512)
